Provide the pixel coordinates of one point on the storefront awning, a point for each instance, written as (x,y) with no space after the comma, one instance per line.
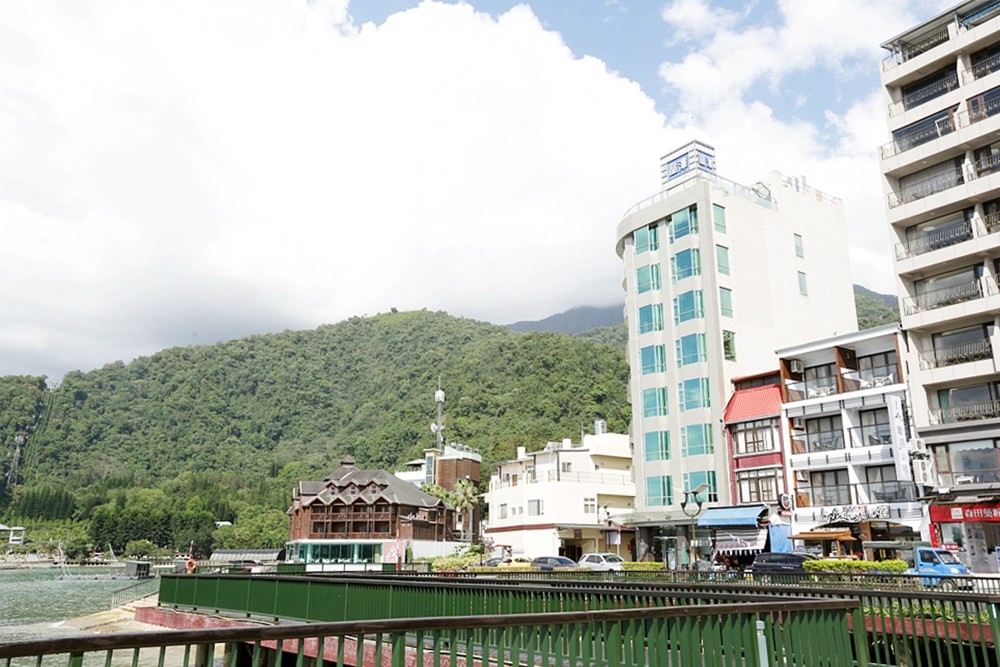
(736,540)
(731,516)
(824,536)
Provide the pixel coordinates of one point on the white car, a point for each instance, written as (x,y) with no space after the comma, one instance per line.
(603,562)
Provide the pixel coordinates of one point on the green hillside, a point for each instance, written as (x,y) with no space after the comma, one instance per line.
(289,405)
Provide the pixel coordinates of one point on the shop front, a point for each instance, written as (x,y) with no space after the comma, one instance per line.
(970,528)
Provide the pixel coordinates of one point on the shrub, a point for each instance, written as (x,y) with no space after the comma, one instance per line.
(453,563)
(642,567)
(834,566)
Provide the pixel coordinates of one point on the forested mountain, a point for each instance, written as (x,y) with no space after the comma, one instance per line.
(575,320)
(287,406)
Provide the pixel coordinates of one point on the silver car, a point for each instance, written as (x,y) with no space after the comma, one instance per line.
(602,562)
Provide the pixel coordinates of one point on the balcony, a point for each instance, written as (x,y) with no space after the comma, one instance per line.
(991,222)
(950,355)
(905,142)
(798,391)
(925,188)
(913,49)
(878,435)
(858,494)
(817,442)
(944,296)
(967,412)
(879,376)
(966,477)
(983,68)
(936,239)
(981,14)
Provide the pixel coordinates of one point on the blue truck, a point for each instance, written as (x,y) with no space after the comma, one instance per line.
(946,570)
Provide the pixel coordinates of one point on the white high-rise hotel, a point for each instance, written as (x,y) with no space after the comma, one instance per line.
(942,185)
(717,277)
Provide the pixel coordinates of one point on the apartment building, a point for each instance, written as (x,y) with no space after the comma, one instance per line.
(716,275)
(848,456)
(942,185)
(565,499)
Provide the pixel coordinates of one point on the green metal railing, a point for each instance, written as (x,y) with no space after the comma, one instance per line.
(813,633)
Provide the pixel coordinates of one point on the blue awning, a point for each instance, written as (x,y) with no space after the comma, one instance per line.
(731,516)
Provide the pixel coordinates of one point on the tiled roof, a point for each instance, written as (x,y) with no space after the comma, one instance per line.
(754,403)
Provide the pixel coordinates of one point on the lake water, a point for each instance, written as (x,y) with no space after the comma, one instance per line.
(33,601)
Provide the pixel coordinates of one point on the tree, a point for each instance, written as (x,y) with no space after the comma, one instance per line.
(465,498)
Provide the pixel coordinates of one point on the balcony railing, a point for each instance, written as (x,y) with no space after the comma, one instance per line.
(903,143)
(983,68)
(914,49)
(950,355)
(926,93)
(870,436)
(617,478)
(967,412)
(925,188)
(858,494)
(964,477)
(817,442)
(991,222)
(987,164)
(801,390)
(944,296)
(983,13)
(934,240)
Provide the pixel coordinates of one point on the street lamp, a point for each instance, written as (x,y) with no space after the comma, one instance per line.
(689,496)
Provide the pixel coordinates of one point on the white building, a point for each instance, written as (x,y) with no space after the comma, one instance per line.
(844,421)
(942,183)
(717,275)
(565,499)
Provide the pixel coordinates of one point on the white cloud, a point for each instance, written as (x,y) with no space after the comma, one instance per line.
(186,172)
(829,45)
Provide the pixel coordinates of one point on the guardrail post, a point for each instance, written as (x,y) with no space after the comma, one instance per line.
(762,659)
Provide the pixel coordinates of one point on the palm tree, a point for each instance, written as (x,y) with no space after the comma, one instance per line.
(464,498)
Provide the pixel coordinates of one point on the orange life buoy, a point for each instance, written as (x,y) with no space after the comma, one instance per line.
(191,565)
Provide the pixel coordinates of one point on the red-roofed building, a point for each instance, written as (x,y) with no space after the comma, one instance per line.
(753,434)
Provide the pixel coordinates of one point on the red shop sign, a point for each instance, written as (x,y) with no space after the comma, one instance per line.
(964,513)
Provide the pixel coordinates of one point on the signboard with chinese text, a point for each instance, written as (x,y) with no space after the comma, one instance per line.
(965,513)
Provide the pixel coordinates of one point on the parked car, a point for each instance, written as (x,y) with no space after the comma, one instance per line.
(549,563)
(515,561)
(602,562)
(777,563)
(493,562)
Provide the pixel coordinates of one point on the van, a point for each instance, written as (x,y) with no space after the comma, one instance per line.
(775,563)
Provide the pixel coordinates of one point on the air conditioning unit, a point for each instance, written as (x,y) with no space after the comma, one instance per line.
(918,448)
(795,365)
(923,472)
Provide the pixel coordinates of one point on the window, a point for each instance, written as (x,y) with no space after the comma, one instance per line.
(685,264)
(696,439)
(693,394)
(590,505)
(646,238)
(688,306)
(651,318)
(759,486)
(962,345)
(535,508)
(878,369)
(694,479)
(971,462)
(656,445)
(647,278)
(722,259)
(654,402)
(503,511)
(978,401)
(803,288)
(653,359)
(729,345)
(726,301)
(659,491)
(754,437)
(683,222)
(690,349)
(719,218)
(798,245)
(566,466)
(830,487)
(824,434)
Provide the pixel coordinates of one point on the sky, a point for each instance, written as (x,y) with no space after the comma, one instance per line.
(194,171)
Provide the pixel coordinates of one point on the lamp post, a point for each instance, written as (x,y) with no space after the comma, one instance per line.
(692,496)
